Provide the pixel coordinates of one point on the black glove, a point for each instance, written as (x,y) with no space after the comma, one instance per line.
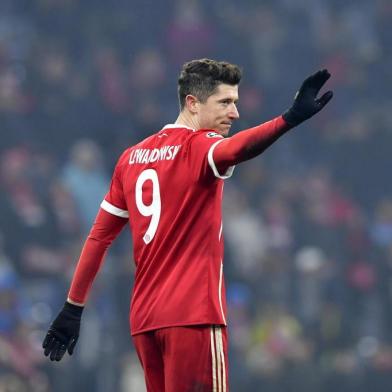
(63,332)
(306,103)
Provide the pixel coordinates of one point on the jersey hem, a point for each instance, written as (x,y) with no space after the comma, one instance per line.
(175,325)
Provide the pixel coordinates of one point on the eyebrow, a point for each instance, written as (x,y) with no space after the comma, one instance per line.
(228,99)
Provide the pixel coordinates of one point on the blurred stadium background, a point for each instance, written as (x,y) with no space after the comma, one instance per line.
(308,225)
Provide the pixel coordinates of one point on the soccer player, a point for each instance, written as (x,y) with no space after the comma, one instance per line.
(169,189)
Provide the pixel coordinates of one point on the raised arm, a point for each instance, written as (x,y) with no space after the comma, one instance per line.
(251,142)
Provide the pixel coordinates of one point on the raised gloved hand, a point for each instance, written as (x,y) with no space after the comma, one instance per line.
(306,104)
(63,332)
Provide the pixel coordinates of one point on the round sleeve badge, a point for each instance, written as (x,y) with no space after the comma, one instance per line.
(213,134)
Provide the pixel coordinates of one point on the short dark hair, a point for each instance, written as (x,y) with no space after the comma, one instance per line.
(201,78)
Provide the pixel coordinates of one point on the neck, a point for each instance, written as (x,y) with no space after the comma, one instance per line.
(185,118)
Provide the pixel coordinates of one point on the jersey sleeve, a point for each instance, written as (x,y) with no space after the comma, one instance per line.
(249,143)
(114,201)
(200,154)
(103,232)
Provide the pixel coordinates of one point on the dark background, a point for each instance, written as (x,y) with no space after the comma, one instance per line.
(308,225)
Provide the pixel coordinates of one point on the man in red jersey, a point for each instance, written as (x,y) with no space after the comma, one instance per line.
(169,188)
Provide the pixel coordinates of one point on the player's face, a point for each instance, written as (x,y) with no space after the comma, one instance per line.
(220,110)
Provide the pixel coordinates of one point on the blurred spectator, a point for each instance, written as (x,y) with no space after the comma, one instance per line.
(308,226)
(190,35)
(20,359)
(86,179)
(29,216)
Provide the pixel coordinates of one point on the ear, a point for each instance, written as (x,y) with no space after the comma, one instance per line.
(192,103)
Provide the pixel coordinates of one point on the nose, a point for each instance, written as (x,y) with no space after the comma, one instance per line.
(233,114)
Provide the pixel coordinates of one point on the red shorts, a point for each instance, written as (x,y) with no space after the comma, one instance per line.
(184,359)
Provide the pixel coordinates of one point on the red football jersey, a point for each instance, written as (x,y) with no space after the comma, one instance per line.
(171,191)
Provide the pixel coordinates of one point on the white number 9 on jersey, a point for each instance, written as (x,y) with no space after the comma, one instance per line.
(154,209)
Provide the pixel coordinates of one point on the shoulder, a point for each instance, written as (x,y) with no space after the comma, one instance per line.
(205,137)
(123,160)
(208,133)
(201,142)
(124,156)
(211,134)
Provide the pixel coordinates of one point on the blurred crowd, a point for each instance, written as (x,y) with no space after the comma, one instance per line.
(308,226)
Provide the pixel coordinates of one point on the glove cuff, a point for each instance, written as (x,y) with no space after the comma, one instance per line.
(73,309)
(292,118)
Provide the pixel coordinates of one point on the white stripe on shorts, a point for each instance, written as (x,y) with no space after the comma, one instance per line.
(222,354)
(213,359)
(218,360)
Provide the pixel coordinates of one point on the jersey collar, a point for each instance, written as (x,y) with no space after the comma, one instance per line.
(171,126)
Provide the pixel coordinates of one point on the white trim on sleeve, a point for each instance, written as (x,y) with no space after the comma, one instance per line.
(105,205)
(211,162)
